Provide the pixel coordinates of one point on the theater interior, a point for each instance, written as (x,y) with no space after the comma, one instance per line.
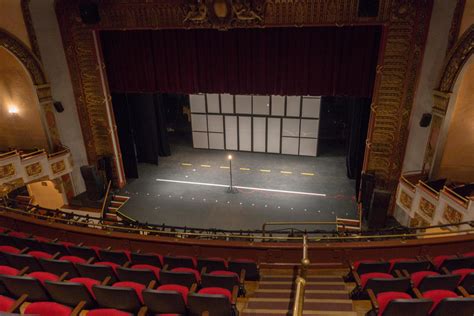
(237,157)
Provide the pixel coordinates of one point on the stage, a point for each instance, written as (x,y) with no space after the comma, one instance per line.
(189,187)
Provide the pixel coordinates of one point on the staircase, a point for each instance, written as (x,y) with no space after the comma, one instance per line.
(325,295)
(114,205)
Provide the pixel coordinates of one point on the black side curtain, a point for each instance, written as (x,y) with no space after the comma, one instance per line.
(359,114)
(141,128)
(325,61)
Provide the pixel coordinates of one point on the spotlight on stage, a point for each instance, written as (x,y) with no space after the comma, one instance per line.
(231,189)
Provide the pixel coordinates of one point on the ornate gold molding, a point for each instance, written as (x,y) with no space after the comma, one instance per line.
(441,101)
(451,215)
(427,208)
(405,27)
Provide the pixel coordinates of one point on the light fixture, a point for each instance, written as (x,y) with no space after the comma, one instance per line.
(13,109)
(229,157)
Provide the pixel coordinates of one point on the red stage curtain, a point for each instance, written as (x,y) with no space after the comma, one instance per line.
(287,61)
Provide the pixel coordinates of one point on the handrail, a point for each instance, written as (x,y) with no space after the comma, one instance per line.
(428,189)
(301,280)
(295,223)
(140,229)
(455,196)
(106,198)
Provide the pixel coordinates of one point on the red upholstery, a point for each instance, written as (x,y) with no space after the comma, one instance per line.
(88,282)
(364,278)
(417,277)
(196,273)
(155,270)
(3,229)
(107,312)
(468,254)
(127,253)
(44,276)
(17,234)
(47,309)
(5,303)
(438,261)
(96,249)
(159,257)
(113,265)
(176,288)
(9,249)
(6,270)
(463,273)
(40,254)
(67,243)
(42,239)
(437,296)
(188,257)
(225,273)
(134,285)
(385,298)
(73,259)
(395,260)
(216,291)
(219,259)
(357,263)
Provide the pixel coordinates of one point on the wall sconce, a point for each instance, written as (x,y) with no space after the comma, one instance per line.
(13,110)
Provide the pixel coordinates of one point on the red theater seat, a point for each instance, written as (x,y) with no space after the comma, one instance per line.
(9,249)
(383,299)
(67,243)
(155,269)
(73,259)
(43,276)
(107,312)
(40,254)
(217,291)
(357,263)
(6,270)
(42,239)
(175,288)
(374,275)
(437,296)
(225,273)
(48,309)
(395,260)
(463,273)
(196,273)
(17,234)
(134,285)
(88,283)
(417,277)
(6,303)
(113,265)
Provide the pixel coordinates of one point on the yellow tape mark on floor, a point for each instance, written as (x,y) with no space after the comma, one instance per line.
(206,166)
(265,170)
(245,169)
(307,174)
(286,172)
(224,167)
(186,164)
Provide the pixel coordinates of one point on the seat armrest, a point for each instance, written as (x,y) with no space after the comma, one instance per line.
(242,276)
(23,271)
(138,251)
(126,264)
(235,293)
(24,250)
(56,255)
(151,285)
(55,240)
(81,244)
(357,278)
(193,288)
(399,274)
(350,264)
(106,281)
(203,270)
(463,291)
(90,260)
(445,270)
(108,248)
(165,267)
(63,276)
(79,307)
(373,300)
(417,293)
(143,311)
(405,272)
(16,306)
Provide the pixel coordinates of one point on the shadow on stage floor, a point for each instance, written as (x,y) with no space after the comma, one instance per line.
(196,197)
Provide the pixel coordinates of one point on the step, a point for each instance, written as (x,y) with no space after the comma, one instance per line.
(112,209)
(309,285)
(341,228)
(281,312)
(116,203)
(348,221)
(287,293)
(120,198)
(309,304)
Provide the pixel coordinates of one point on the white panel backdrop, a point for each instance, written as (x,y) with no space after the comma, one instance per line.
(274,124)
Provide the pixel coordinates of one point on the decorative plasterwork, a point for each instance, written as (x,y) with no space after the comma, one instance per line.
(405,27)
(25,9)
(441,100)
(455,24)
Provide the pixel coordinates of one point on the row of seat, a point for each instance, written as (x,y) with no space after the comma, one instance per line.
(416,286)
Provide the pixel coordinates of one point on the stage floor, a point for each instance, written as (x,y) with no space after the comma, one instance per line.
(189,189)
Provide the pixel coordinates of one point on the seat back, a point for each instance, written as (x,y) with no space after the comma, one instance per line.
(136,275)
(457,263)
(439,282)
(178,262)
(216,305)
(223,281)
(52,248)
(379,285)
(211,265)
(32,244)
(251,269)
(83,252)
(468,283)
(456,306)
(118,257)
(164,302)
(144,258)
(19,261)
(69,293)
(411,266)
(182,278)
(58,267)
(6,240)
(96,272)
(19,285)
(412,307)
(368,267)
(125,299)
